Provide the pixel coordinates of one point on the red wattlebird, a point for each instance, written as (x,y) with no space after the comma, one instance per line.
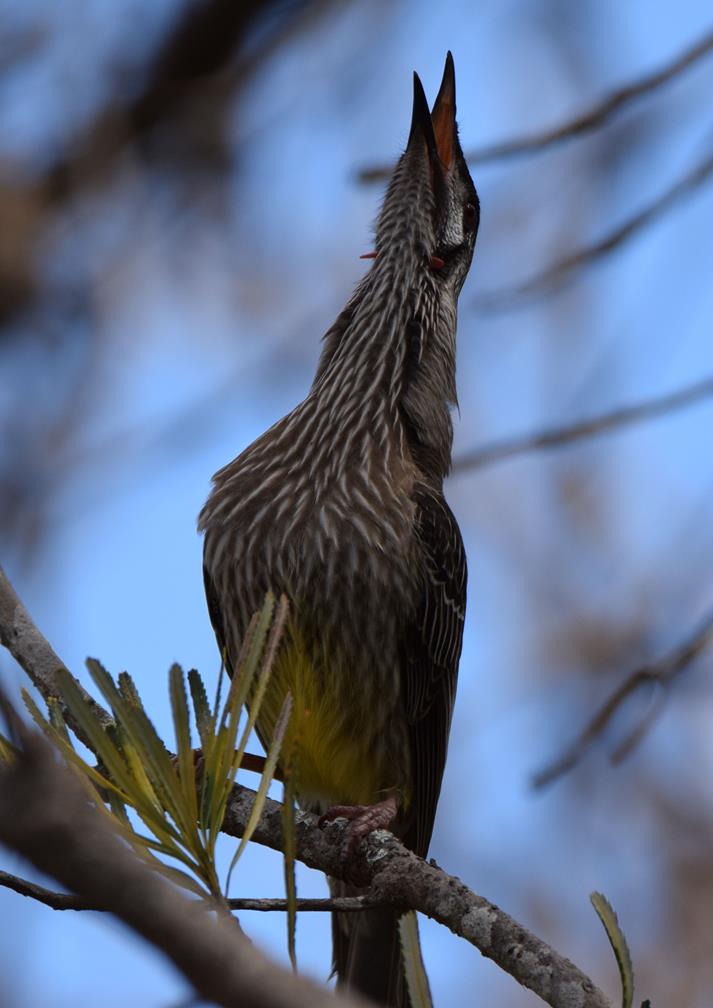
(340,506)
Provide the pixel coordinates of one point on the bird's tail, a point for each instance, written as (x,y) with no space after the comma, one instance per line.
(366,952)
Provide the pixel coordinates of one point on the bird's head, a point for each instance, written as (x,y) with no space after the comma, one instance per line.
(431,212)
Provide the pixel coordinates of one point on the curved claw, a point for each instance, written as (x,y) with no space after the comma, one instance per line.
(363,820)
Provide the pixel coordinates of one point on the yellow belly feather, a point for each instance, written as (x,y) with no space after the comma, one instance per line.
(329,748)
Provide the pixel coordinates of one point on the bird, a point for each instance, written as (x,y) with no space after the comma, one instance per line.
(340,507)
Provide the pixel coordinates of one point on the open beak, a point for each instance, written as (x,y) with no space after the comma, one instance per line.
(436,128)
(443,116)
(421,124)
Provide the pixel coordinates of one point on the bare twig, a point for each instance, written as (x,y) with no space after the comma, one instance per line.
(50,898)
(554,437)
(659,675)
(586,122)
(509,297)
(68,901)
(46,817)
(344,904)
(398,877)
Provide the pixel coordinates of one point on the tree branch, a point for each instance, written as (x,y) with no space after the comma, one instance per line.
(398,877)
(659,674)
(554,437)
(68,901)
(45,816)
(35,655)
(404,881)
(508,297)
(586,122)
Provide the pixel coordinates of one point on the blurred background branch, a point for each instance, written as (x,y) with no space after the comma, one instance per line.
(593,118)
(507,297)
(554,437)
(658,676)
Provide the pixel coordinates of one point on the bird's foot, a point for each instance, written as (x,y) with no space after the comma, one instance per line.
(363,820)
(197,764)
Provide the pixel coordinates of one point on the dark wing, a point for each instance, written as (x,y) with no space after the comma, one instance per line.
(430,667)
(216,617)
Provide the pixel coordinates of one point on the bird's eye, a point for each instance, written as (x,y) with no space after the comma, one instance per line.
(470,216)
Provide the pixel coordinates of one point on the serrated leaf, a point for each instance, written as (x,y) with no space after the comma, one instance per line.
(143,790)
(137,781)
(201,708)
(184,748)
(144,799)
(56,718)
(249,657)
(221,766)
(101,742)
(95,778)
(257,649)
(266,670)
(414,970)
(147,741)
(618,942)
(128,690)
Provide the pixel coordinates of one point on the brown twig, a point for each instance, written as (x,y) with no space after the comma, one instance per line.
(659,674)
(554,437)
(35,655)
(68,901)
(539,283)
(586,122)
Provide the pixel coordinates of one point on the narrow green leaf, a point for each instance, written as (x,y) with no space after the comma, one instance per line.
(99,781)
(265,781)
(128,690)
(152,770)
(147,741)
(143,789)
(270,651)
(223,762)
(243,681)
(118,810)
(289,862)
(143,798)
(249,656)
(184,748)
(100,740)
(139,729)
(201,708)
(618,942)
(8,751)
(416,979)
(215,759)
(56,718)
(205,720)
